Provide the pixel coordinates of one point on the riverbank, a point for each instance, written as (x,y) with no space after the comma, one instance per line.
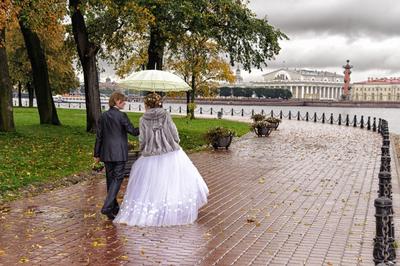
(291,102)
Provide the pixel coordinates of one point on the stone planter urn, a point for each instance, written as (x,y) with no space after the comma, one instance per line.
(274,125)
(222,142)
(263,131)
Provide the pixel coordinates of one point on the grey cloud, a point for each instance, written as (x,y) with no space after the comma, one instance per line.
(344,17)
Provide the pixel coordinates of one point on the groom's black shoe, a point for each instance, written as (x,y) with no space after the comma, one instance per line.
(110,215)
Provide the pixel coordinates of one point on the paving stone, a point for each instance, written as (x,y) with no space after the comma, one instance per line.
(309,187)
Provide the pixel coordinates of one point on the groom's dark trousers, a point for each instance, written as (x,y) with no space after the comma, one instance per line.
(112,148)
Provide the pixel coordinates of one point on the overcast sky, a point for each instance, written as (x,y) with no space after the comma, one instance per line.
(325,33)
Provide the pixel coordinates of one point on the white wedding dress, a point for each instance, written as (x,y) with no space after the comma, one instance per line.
(163,190)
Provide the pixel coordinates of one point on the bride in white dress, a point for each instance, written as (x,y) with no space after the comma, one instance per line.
(164,187)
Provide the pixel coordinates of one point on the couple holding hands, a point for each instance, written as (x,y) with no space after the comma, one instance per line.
(164,187)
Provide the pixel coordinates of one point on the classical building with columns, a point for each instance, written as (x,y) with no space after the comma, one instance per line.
(376,89)
(306,84)
(302,83)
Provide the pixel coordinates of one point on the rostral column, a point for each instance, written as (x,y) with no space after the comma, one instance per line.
(346,87)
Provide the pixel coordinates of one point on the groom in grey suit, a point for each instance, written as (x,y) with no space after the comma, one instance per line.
(112,148)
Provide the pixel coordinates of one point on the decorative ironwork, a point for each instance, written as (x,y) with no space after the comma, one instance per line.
(384,247)
(385,163)
(385,184)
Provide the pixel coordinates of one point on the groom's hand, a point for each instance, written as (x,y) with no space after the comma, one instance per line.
(96,159)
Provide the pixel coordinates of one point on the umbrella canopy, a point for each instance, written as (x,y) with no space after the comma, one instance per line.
(154,80)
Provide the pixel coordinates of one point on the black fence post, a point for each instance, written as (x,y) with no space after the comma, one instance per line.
(385,163)
(385,150)
(385,184)
(252,112)
(242,112)
(280,114)
(315,117)
(340,120)
(369,123)
(170,109)
(307,116)
(331,119)
(323,118)
(290,115)
(272,113)
(262,111)
(298,115)
(379,125)
(374,125)
(232,112)
(180,109)
(140,107)
(362,122)
(384,244)
(129,107)
(211,111)
(355,121)
(347,120)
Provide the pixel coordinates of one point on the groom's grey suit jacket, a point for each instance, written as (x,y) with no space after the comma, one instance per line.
(111,136)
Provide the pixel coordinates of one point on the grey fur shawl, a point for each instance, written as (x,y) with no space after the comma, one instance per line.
(158,133)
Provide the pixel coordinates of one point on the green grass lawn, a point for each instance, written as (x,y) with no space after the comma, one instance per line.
(43,153)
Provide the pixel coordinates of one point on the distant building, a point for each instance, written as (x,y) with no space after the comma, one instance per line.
(306,84)
(239,78)
(376,89)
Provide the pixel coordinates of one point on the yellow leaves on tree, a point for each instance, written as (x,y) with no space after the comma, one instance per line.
(199,62)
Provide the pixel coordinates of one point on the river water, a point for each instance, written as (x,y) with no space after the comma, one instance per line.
(392,115)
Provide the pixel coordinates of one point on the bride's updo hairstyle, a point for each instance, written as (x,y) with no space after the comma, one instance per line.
(153,100)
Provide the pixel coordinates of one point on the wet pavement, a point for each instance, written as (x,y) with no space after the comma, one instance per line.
(302,196)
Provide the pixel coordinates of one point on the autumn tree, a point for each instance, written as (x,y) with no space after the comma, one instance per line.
(197,59)
(246,39)
(39,20)
(102,27)
(6,108)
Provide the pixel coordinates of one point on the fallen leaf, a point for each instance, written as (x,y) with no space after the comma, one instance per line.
(2,253)
(97,244)
(23,260)
(123,257)
(251,219)
(261,180)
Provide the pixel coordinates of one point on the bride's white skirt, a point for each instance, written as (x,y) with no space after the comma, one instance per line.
(163,190)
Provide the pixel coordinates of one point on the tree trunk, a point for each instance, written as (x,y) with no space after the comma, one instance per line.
(19,94)
(44,99)
(156,49)
(6,108)
(187,103)
(31,93)
(192,94)
(87,52)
